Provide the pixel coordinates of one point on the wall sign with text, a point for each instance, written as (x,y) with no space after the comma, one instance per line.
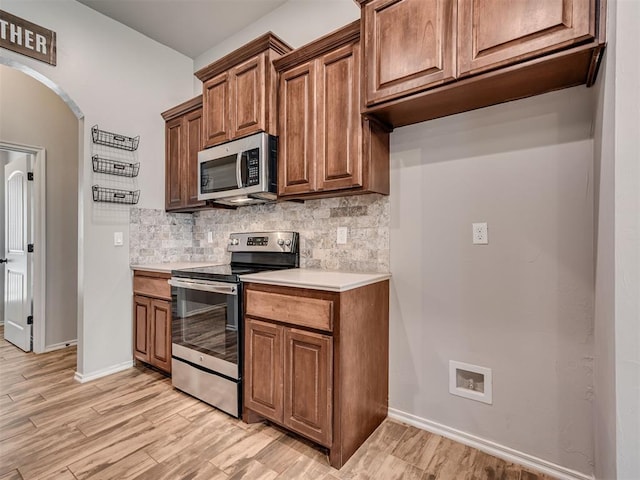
(26,38)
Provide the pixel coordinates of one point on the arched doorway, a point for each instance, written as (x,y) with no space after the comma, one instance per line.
(34,113)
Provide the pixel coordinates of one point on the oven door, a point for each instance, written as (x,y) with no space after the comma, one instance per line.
(205,324)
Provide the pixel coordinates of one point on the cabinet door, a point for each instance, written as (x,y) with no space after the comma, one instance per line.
(141,312)
(248,97)
(308,384)
(409,45)
(297,107)
(216,108)
(339,136)
(494,33)
(160,334)
(173,163)
(193,144)
(263,369)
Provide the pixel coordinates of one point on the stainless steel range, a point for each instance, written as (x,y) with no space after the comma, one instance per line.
(207,329)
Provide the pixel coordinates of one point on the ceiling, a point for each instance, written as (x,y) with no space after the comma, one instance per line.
(190,27)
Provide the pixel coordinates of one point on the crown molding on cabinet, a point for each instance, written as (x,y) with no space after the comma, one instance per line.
(268,41)
(183,108)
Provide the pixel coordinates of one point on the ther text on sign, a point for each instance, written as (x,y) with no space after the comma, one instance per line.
(26,38)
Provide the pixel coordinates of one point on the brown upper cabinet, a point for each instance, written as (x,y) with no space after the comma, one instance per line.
(183,141)
(409,45)
(427,59)
(239,91)
(326,147)
(494,33)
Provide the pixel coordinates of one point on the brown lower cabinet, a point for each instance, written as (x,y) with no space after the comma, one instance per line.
(316,362)
(152,319)
(291,377)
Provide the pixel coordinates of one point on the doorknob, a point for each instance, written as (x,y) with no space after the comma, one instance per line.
(4,260)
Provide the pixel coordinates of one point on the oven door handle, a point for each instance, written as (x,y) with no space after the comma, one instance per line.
(215,287)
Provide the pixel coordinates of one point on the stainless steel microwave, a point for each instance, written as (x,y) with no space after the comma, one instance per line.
(239,172)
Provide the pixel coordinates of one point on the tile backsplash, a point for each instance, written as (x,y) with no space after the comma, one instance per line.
(157,237)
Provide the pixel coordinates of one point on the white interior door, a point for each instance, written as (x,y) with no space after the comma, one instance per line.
(17,268)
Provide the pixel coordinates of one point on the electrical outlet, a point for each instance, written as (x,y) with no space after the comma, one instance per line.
(480,233)
(341,237)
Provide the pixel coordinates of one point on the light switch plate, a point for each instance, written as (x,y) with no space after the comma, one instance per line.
(209,237)
(118,239)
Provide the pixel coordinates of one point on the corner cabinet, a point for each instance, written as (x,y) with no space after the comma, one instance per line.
(239,91)
(183,141)
(425,60)
(316,362)
(326,147)
(152,319)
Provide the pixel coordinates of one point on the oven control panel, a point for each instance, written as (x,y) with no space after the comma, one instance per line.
(283,242)
(257,241)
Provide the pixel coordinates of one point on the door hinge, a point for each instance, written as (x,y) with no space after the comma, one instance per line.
(30,176)
(30,320)
(30,248)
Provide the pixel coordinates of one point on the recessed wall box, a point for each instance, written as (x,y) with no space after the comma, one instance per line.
(470,381)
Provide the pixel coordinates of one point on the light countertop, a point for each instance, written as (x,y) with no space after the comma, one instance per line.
(328,280)
(167,267)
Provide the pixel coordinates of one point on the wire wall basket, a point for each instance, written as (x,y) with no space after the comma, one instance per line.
(102,137)
(114,195)
(115,167)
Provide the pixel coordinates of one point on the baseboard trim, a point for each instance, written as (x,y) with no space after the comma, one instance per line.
(487,446)
(58,346)
(84,378)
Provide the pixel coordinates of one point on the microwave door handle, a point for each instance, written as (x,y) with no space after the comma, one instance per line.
(239,170)
(223,288)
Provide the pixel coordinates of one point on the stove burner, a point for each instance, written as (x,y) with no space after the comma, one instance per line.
(250,253)
(221,273)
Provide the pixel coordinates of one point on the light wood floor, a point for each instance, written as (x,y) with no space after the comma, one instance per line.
(134,425)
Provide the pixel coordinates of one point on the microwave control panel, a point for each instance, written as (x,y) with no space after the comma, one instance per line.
(252,159)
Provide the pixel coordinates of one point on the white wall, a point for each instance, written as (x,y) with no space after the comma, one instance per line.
(121,80)
(33,115)
(604,420)
(297,22)
(627,237)
(522,305)
(617,314)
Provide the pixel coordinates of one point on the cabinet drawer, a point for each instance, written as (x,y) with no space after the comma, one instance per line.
(152,285)
(303,311)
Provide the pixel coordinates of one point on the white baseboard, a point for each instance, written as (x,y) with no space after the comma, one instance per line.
(58,346)
(84,378)
(487,446)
